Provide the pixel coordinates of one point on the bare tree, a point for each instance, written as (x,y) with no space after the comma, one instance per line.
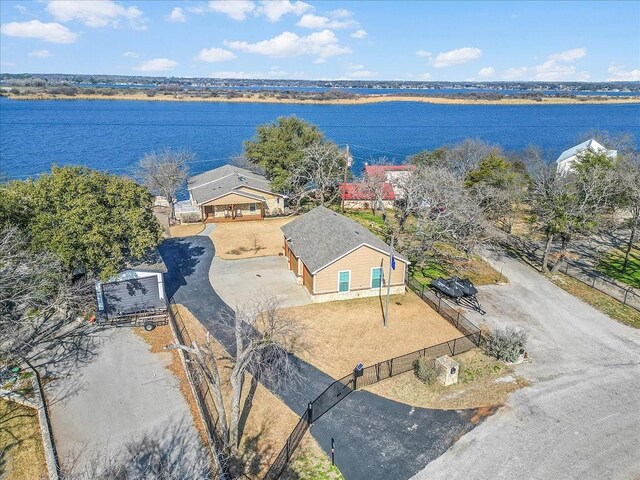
(164,172)
(629,200)
(263,339)
(467,155)
(623,143)
(318,173)
(445,212)
(374,186)
(39,304)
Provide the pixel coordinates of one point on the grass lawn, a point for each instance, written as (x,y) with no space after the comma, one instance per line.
(611,266)
(601,301)
(259,238)
(186,229)
(21,451)
(482,382)
(268,423)
(341,334)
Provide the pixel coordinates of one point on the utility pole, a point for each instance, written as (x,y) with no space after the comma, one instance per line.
(391,255)
(347,165)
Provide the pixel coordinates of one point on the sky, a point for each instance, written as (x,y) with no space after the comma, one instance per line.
(363,40)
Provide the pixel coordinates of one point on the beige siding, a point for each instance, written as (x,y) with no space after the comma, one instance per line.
(366,204)
(293,261)
(232,198)
(307,278)
(275,203)
(360,262)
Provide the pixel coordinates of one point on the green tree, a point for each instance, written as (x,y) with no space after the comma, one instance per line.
(430,158)
(495,171)
(279,146)
(87,219)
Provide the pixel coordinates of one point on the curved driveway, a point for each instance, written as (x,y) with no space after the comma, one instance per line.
(376,438)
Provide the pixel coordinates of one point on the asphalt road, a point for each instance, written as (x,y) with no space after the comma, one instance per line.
(376,438)
(581,418)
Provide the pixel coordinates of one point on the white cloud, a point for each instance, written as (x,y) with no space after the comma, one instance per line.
(341,13)
(424,53)
(40,53)
(621,74)
(130,54)
(273,10)
(274,72)
(486,72)
(157,65)
(323,44)
(215,55)
(96,13)
(176,15)
(425,76)
(359,34)
(49,32)
(354,66)
(8,64)
(568,55)
(317,22)
(236,9)
(560,66)
(362,74)
(20,8)
(456,57)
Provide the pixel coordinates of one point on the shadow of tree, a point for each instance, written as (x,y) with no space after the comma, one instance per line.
(180,256)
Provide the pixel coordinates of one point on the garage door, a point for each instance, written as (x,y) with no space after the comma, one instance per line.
(131,296)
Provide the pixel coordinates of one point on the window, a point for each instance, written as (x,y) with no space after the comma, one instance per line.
(252,208)
(278,200)
(344,281)
(376,277)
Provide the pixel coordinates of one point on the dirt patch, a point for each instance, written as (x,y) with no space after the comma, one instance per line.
(186,229)
(262,437)
(20,443)
(162,215)
(482,382)
(339,335)
(251,239)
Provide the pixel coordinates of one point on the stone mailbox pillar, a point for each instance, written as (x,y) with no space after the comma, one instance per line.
(447,369)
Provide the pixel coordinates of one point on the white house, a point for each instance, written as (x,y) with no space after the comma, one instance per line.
(569,157)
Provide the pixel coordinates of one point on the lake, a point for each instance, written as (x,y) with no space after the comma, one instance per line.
(113,135)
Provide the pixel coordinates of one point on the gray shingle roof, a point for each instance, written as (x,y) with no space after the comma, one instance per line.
(223,180)
(321,236)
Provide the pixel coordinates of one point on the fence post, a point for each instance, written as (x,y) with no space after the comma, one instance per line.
(439,300)
(458,320)
(310,413)
(626,292)
(594,282)
(566,270)
(454,347)
(391,368)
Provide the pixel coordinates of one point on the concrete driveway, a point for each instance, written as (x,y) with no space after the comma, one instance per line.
(239,281)
(125,397)
(581,417)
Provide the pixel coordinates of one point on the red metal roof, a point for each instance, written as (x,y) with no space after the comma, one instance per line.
(382,169)
(356,191)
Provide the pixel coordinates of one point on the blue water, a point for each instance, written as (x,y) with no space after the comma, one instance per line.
(113,135)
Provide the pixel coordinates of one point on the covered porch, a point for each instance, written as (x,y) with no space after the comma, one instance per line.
(233,212)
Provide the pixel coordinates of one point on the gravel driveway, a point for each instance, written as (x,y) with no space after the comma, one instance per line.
(581,418)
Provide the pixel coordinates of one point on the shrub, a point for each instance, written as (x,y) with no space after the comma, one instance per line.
(506,344)
(14,91)
(425,370)
(189,217)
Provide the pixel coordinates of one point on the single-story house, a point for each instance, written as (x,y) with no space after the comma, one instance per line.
(569,157)
(231,193)
(336,258)
(139,288)
(396,175)
(358,196)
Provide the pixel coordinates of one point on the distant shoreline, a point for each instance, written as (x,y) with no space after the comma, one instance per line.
(362,100)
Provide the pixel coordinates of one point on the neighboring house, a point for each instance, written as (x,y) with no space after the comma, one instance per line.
(232,193)
(336,258)
(361,196)
(139,288)
(397,175)
(568,158)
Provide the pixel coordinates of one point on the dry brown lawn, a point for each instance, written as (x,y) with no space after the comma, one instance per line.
(341,334)
(259,238)
(186,229)
(268,422)
(482,382)
(20,436)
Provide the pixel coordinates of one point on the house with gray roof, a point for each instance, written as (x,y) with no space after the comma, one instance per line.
(336,258)
(231,193)
(571,156)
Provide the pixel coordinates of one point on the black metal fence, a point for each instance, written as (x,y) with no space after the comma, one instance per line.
(340,389)
(623,293)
